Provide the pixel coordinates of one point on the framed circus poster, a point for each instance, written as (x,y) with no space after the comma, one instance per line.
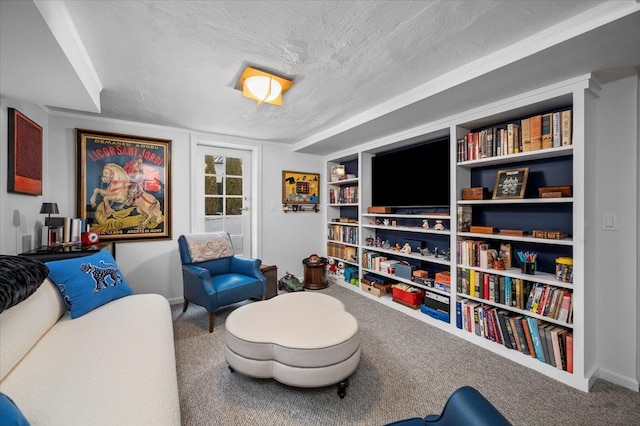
(123,185)
(300,187)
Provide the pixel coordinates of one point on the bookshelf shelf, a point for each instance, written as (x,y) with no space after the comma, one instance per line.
(408,216)
(540,277)
(517,310)
(522,156)
(430,258)
(408,229)
(532,240)
(564,200)
(349,262)
(555,166)
(344,182)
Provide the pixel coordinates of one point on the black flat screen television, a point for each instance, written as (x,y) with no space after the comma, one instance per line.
(415,176)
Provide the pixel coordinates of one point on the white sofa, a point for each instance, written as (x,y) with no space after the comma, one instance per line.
(112,366)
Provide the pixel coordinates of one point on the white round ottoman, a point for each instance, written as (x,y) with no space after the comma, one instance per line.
(300,339)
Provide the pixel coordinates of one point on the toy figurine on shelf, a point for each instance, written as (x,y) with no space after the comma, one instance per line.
(396,247)
(386,245)
(425,223)
(369,241)
(332,269)
(377,221)
(425,251)
(438,226)
(378,242)
(435,252)
(446,253)
(406,248)
(386,222)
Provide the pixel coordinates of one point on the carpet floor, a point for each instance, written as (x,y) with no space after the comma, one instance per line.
(408,369)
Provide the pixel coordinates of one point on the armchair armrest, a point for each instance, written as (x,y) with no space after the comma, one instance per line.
(196,271)
(197,285)
(246,266)
(250,267)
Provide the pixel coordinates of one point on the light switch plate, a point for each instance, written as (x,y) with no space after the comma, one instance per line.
(609,221)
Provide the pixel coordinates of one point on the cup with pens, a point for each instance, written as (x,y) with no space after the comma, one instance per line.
(527,262)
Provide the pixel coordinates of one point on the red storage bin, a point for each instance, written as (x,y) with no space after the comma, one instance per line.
(413,297)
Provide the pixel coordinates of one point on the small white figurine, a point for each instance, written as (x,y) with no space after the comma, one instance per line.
(406,248)
(425,223)
(386,222)
(438,226)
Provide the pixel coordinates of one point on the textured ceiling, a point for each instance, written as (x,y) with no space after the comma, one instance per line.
(175,63)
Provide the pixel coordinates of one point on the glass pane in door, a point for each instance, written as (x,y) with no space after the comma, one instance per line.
(226,194)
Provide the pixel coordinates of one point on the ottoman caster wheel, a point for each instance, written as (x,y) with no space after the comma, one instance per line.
(231,369)
(342,388)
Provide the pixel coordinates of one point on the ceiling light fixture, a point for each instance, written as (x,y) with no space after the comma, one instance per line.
(262,86)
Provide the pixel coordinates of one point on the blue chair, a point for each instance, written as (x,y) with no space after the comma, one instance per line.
(213,277)
(466,406)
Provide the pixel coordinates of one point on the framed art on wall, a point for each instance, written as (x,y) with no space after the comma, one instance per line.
(25,154)
(123,185)
(300,187)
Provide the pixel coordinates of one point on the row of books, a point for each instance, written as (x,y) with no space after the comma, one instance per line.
(372,260)
(542,131)
(479,253)
(548,343)
(343,195)
(345,234)
(542,299)
(342,252)
(65,230)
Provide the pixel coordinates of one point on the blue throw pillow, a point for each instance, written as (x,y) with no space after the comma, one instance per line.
(10,414)
(86,283)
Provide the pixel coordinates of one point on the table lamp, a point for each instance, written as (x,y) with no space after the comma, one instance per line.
(48,208)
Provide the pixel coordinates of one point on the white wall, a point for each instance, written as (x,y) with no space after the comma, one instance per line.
(288,238)
(616,271)
(154,267)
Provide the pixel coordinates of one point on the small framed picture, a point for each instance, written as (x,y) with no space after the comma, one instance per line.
(338,172)
(300,187)
(511,183)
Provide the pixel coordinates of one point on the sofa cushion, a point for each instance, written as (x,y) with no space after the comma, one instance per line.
(20,277)
(24,324)
(86,283)
(113,366)
(10,414)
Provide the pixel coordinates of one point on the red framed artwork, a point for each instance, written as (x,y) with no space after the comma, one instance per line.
(25,155)
(124,185)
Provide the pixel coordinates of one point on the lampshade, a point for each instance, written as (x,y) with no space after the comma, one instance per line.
(50,208)
(262,86)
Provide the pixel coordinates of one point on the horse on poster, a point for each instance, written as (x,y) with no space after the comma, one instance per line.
(118,191)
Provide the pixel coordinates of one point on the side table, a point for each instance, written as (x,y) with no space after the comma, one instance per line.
(315,273)
(48,254)
(271,274)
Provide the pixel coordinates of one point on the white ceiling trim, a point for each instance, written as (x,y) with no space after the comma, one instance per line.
(440,126)
(580,24)
(57,18)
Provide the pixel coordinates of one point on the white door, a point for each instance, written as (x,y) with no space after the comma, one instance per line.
(223,194)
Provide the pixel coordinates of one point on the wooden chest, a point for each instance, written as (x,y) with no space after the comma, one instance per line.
(478,193)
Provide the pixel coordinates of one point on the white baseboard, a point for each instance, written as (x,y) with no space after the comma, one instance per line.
(618,379)
(176,301)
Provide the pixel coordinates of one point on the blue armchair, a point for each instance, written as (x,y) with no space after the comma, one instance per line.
(466,406)
(213,277)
